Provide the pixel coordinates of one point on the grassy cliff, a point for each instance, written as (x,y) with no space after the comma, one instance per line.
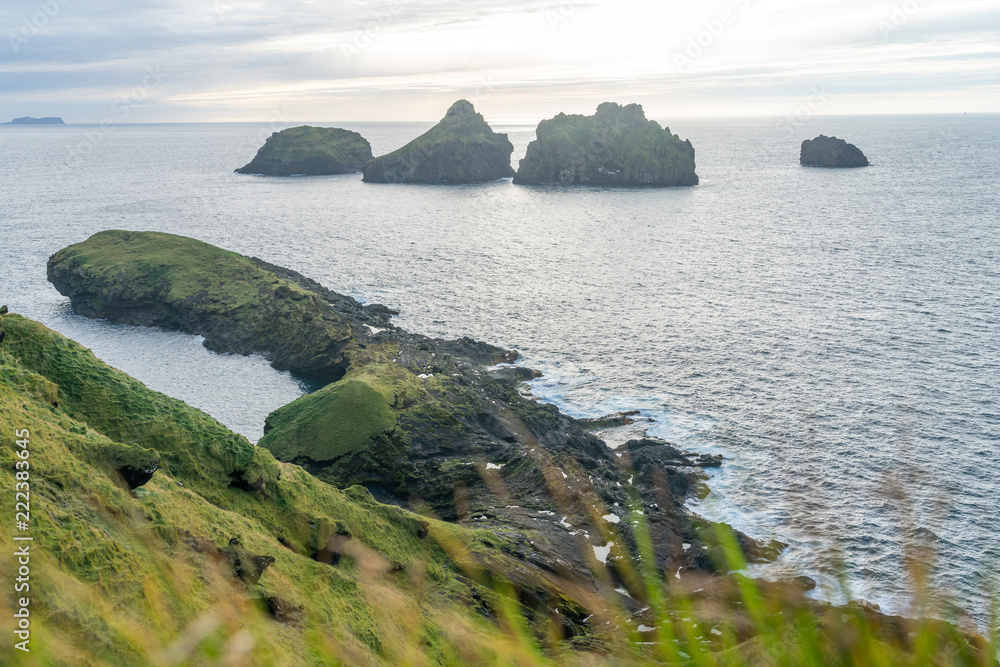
(138,577)
(190,569)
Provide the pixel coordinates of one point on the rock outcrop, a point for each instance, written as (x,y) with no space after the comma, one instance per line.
(462,148)
(617,146)
(310,151)
(831,152)
(153,279)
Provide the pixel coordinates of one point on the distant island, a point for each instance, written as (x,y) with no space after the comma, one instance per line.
(35,121)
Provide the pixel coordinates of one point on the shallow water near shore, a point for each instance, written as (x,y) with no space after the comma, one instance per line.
(827,331)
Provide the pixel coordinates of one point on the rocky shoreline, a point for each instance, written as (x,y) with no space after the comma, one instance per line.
(420,422)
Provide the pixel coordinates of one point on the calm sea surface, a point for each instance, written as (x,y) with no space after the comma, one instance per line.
(834,333)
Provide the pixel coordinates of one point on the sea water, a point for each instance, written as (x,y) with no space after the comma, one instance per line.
(833,333)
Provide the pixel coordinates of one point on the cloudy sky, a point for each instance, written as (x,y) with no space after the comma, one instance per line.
(352,60)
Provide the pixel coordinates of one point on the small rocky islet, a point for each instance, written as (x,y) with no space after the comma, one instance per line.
(832,153)
(461,148)
(617,146)
(310,151)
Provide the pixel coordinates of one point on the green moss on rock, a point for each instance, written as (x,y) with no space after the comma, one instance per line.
(340,419)
(462,148)
(310,151)
(149,278)
(616,146)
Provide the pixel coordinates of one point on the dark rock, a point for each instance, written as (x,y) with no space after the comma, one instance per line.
(514,375)
(462,148)
(831,152)
(245,566)
(134,464)
(617,146)
(310,151)
(805,583)
(279,609)
(611,421)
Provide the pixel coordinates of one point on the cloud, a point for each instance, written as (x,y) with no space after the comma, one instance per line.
(407,59)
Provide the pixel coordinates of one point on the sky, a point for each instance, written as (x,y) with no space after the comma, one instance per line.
(92,61)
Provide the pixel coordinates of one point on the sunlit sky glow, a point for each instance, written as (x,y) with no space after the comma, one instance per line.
(301,60)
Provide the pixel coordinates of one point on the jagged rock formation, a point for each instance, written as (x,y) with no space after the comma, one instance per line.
(616,146)
(831,152)
(310,151)
(462,148)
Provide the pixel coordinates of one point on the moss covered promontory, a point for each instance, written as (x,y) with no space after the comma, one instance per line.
(462,148)
(310,151)
(148,278)
(615,146)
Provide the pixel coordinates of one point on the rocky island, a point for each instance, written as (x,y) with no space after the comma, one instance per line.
(36,121)
(831,152)
(462,148)
(310,151)
(617,146)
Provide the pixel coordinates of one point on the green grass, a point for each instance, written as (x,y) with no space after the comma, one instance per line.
(134,578)
(178,282)
(173,268)
(301,143)
(342,418)
(460,125)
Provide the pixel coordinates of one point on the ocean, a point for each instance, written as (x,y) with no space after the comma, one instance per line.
(835,334)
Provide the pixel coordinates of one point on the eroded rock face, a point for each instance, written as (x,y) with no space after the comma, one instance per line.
(310,151)
(616,146)
(462,148)
(831,152)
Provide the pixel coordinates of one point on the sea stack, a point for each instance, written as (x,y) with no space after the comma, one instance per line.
(616,146)
(462,148)
(310,151)
(831,152)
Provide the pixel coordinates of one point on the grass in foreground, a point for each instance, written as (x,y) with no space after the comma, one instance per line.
(142,577)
